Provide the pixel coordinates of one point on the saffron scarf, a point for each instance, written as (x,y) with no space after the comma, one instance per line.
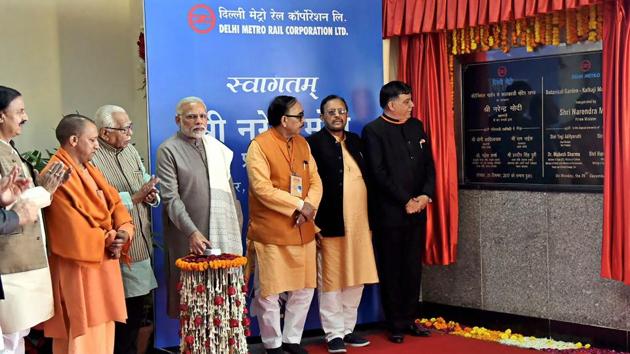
(79,218)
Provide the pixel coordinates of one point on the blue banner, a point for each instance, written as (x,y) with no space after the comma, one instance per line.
(237,56)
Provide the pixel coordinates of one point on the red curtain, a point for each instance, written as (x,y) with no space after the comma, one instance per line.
(424,65)
(407,17)
(616,81)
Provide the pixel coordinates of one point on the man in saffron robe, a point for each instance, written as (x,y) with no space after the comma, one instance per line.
(88,229)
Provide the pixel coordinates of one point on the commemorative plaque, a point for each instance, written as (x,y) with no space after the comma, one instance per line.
(534,122)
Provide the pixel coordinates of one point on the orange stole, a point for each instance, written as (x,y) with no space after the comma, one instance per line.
(87,285)
(78,219)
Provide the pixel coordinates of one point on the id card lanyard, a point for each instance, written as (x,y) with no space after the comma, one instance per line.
(295,187)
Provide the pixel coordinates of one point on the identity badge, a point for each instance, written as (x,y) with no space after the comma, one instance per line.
(296,186)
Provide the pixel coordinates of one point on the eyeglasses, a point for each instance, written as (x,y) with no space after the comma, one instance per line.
(340,111)
(125,130)
(192,116)
(299,116)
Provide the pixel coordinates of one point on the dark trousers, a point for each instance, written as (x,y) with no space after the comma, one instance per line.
(399,261)
(126,340)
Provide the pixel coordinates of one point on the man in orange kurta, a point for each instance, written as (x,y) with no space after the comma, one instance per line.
(284,192)
(88,230)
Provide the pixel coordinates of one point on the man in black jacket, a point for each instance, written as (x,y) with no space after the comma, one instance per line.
(402,180)
(345,255)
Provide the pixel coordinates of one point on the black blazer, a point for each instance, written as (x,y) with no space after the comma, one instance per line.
(327,153)
(400,166)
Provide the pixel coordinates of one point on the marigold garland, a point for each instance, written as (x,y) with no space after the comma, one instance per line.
(484,33)
(504,337)
(203,263)
(504,37)
(592,23)
(572,36)
(523,35)
(530,43)
(566,26)
(537,31)
(600,21)
(548,36)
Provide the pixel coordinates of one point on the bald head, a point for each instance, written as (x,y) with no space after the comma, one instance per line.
(71,124)
(78,136)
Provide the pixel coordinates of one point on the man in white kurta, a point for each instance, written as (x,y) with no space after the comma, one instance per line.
(345,255)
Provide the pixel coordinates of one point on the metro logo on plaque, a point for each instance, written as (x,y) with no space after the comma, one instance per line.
(201,19)
(502,71)
(586,65)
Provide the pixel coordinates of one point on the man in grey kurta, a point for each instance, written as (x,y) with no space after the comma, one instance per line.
(189,190)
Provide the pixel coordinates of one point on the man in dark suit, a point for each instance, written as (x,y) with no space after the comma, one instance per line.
(402,180)
(345,257)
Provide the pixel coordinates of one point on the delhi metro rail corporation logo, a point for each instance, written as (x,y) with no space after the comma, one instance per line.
(502,71)
(586,65)
(201,19)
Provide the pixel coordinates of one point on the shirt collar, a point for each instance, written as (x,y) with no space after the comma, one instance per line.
(339,140)
(192,141)
(107,146)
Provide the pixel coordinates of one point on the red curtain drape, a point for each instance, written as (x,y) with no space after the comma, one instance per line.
(407,17)
(423,63)
(616,81)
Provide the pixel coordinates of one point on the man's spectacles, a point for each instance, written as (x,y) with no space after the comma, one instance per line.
(125,130)
(192,116)
(340,111)
(299,116)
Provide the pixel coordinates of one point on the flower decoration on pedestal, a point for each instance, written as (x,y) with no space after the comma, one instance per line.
(213,317)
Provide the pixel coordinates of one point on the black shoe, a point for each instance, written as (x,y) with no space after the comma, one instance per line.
(336,345)
(293,348)
(396,338)
(418,330)
(274,350)
(355,340)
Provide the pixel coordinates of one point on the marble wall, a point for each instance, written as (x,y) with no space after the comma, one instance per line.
(531,253)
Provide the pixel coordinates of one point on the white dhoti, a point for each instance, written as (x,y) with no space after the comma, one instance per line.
(298,301)
(13,343)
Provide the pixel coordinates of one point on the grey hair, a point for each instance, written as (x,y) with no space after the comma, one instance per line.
(186,100)
(103,116)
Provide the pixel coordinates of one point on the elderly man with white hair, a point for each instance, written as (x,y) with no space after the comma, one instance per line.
(200,206)
(121,164)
